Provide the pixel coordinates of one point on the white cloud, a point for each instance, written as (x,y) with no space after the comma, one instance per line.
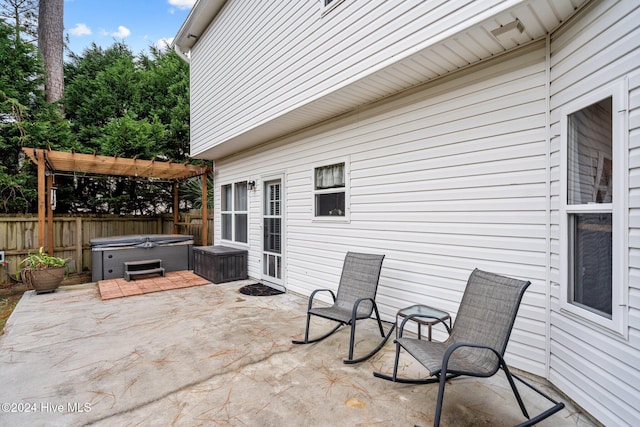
(182,4)
(164,43)
(122,32)
(80,30)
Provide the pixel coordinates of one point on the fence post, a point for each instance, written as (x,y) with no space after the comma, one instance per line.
(79,240)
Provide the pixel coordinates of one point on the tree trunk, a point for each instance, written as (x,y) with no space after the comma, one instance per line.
(51,44)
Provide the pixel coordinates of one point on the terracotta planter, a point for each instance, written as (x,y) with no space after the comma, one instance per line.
(44,279)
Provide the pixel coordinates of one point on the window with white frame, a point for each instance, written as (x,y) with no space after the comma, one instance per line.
(330,191)
(330,4)
(234,213)
(592,210)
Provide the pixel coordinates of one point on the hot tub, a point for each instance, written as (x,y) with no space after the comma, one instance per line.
(108,254)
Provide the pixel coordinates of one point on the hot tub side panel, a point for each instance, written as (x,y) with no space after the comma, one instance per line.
(108,262)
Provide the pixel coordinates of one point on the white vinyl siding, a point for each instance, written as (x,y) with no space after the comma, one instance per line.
(443,179)
(461,172)
(290,52)
(594,366)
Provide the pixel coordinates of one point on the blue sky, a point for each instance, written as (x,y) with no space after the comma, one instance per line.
(138,23)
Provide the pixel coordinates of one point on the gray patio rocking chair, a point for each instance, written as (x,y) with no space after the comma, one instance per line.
(476,343)
(355,300)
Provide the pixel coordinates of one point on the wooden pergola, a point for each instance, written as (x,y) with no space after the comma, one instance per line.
(51,162)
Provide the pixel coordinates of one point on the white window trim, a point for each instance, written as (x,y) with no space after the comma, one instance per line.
(620,287)
(233,213)
(326,8)
(347,191)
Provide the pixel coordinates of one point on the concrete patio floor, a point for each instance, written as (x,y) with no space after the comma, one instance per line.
(208,355)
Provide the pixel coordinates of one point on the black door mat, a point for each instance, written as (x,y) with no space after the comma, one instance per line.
(259,289)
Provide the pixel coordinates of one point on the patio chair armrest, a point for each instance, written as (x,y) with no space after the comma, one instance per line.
(354,311)
(452,348)
(313,294)
(422,316)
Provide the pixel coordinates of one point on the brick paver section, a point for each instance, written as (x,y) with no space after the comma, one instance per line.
(118,288)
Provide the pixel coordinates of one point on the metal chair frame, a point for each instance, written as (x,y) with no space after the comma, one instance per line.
(476,343)
(355,300)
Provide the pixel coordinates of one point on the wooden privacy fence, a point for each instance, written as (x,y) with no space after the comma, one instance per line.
(72,234)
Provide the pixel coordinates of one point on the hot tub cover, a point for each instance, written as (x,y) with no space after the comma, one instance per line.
(138,240)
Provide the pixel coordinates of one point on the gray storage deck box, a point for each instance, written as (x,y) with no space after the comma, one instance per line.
(220,263)
(108,254)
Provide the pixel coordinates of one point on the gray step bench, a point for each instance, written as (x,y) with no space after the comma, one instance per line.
(143,267)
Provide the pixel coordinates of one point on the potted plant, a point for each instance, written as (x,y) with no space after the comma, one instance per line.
(42,272)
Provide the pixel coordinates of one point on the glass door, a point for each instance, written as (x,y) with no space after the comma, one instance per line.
(272,232)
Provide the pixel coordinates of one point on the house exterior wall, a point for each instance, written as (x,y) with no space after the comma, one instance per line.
(290,52)
(597,367)
(444,179)
(459,173)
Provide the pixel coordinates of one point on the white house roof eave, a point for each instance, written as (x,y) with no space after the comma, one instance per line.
(201,16)
(408,69)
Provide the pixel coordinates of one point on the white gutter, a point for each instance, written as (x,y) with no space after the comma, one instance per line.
(203,13)
(181,54)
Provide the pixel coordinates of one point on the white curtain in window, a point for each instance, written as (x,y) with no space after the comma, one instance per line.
(241,197)
(226,198)
(330,176)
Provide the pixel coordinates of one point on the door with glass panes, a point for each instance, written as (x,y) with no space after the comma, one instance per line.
(272,232)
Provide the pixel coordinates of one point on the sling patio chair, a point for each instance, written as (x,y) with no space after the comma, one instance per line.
(476,343)
(355,300)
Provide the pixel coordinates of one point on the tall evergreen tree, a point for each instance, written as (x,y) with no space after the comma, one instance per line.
(128,106)
(22,15)
(25,120)
(116,104)
(51,45)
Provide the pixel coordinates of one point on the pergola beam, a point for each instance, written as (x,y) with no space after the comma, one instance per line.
(91,164)
(115,166)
